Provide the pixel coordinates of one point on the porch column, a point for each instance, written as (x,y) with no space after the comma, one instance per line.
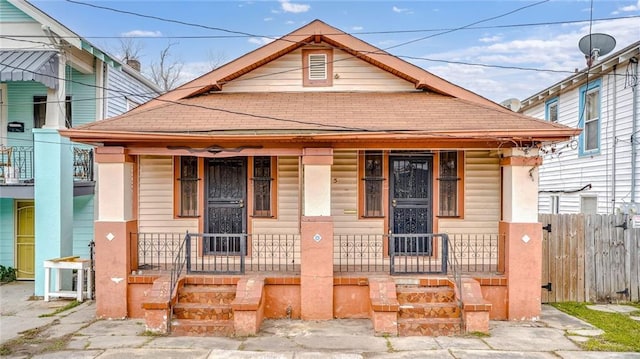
(522,233)
(316,247)
(53,202)
(115,222)
(53,190)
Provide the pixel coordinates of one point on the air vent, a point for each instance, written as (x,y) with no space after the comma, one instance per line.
(317,67)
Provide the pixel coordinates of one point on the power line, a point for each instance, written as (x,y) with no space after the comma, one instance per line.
(404,132)
(380,51)
(466,26)
(199,106)
(380,32)
(165,19)
(235,32)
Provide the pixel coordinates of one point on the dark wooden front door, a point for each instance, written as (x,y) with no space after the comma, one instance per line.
(226,197)
(411,183)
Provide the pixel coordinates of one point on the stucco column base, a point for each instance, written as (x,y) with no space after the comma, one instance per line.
(523,267)
(113,265)
(316,272)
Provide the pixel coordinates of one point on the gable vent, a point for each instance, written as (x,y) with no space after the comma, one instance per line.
(317,66)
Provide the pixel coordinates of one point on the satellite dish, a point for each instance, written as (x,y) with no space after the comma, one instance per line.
(594,45)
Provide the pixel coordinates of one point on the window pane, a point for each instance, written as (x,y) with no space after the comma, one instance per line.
(68,119)
(555,204)
(373,179)
(553,112)
(589,205)
(591,135)
(39,111)
(592,108)
(448,184)
(188,186)
(262,186)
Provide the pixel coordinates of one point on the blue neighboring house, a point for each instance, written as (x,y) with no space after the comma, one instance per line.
(50,79)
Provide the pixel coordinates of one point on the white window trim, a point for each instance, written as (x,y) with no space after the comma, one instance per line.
(317,66)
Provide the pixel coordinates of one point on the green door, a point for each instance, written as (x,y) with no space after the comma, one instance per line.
(25,239)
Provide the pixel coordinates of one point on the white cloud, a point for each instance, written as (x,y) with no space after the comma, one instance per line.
(260,40)
(490,38)
(629,8)
(290,22)
(545,49)
(268,19)
(384,43)
(357,28)
(399,10)
(141,33)
(294,8)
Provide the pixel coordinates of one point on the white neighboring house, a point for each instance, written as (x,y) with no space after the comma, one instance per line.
(598,171)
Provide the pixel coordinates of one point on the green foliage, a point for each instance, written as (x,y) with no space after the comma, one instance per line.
(621,333)
(71,304)
(7,274)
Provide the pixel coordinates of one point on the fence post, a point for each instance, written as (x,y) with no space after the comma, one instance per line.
(445,252)
(243,246)
(392,252)
(187,249)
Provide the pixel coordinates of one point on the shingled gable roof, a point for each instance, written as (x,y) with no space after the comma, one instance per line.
(199,112)
(316,32)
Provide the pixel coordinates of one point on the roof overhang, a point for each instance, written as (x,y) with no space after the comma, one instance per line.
(400,139)
(40,66)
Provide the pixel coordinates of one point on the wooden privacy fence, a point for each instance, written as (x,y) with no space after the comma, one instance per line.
(591,258)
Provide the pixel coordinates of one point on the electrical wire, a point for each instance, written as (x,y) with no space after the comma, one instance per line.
(466,26)
(353,33)
(247,34)
(407,133)
(504,67)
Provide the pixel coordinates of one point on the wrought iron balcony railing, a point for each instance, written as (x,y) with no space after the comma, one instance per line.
(17,164)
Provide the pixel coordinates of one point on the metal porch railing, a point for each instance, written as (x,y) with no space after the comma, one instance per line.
(364,253)
(218,253)
(423,253)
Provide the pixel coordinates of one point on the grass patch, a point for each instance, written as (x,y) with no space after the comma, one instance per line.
(480,334)
(149,333)
(72,304)
(621,332)
(390,348)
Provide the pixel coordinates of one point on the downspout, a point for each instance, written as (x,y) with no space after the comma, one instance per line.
(615,140)
(634,129)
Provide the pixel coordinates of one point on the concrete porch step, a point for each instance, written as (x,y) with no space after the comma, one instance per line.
(207,294)
(192,327)
(408,327)
(429,310)
(415,294)
(201,311)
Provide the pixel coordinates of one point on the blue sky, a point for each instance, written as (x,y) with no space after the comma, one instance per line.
(509,40)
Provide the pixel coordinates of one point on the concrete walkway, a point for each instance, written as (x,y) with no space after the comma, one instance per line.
(75,333)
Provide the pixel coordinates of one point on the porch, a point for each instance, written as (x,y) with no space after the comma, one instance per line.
(423,284)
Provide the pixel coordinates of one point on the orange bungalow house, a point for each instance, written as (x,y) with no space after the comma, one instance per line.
(318,177)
